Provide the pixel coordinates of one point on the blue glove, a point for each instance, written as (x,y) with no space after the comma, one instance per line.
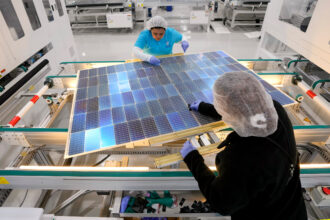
(184,45)
(124,204)
(194,106)
(154,61)
(186,149)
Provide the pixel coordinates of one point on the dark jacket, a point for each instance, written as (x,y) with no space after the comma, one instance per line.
(253,179)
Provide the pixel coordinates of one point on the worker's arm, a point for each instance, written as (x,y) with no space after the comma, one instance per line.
(227,192)
(138,53)
(209,110)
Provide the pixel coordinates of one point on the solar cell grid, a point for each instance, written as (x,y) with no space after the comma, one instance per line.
(118,104)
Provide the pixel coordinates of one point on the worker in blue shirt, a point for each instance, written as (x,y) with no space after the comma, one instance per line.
(157,40)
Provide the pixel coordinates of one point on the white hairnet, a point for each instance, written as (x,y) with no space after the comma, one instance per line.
(157,21)
(244,104)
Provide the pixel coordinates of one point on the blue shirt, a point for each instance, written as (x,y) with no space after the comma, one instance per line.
(164,46)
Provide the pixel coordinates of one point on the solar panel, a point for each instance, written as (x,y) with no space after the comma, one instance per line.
(120,104)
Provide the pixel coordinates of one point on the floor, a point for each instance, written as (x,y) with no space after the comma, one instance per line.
(104,44)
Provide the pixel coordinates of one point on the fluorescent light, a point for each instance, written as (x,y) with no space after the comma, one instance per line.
(76,168)
(314,165)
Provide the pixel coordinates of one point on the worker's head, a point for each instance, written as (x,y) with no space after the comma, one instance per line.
(157,26)
(244,104)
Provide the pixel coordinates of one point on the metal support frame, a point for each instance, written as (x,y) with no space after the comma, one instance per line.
(232,21)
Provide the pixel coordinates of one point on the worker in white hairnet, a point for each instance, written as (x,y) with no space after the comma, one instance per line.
(258,170)
(157,40)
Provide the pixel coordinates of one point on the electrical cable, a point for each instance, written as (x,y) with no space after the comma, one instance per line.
(24,198)
(101,161)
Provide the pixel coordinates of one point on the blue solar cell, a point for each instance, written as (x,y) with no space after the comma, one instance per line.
(83,74)
(131,75)
(176,121)
(233,68)
(164,80)
(181,88)
(135,130)
(113,88)
(230,60)
(77,142)
(178,103)
(103,90)
(150,94)
(105,118)
(221,53)
(171,90)
(189,98)
(102,71)
(104,102)
(184,76)
(155,108)
(103,79)
(201,64)
(190,86)
(202,73)
(92,139)
(199,83)
(108,136)
(200,96)
(163,125)
(131,113)
(137,65)
(143,110)
(122,133)
(127,98)
(112,78)
(81,94)
(83,82)
(150,72)
(92,73)
(92,104)
(210,72)
(192,75)
(175,78)
(134,84)
(78,123)
(209,82)
(80,107)
(161,92)
(92,81)
(209,95)
(92,120)
(154,81)
(141,73)
(149,127)
(92,92)
(129,66)
(120,68)
(118,115)
(111,69)
(267,86)
(166,105)
(139,96)
(124,86)
(218,71)
(281,98)
(122,76)
(241,67)
(144,82)
(226,69)
(188,119)
(116,100)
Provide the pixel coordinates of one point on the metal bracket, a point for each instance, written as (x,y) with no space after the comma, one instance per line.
(15,138)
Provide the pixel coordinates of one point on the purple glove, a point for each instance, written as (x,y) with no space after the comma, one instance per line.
(194,106)
(186,149)
(124,204)
(184,45)
(154,61)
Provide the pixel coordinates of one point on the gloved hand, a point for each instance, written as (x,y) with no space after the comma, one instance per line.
(194,106)
(184,45)
(154,61)
(186,149)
